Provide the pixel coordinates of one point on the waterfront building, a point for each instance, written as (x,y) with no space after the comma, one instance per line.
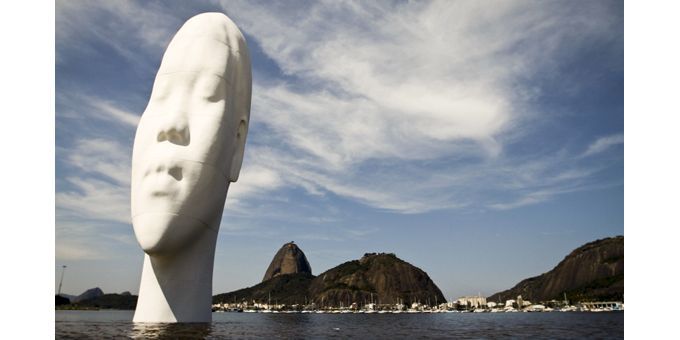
(536,308)
(472,301)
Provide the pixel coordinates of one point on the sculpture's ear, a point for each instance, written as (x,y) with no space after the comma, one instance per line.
(237,159)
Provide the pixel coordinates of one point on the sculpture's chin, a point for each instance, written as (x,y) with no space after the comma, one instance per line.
(165,233)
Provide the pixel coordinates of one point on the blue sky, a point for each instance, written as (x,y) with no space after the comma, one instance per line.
(479,141)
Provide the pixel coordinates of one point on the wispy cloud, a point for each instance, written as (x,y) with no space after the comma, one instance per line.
(603,144)
(528,199)
(410,85)
(77,106)
(101,191)
(93,206)
(408,107)
(75,250)
(103,157)
(83,239)
(95,199)
(255,179)
(127,27)
(115,113)
(360,110)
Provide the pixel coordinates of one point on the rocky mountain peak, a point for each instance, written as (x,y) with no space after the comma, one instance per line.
(290,259)
(88,294)
(593,271)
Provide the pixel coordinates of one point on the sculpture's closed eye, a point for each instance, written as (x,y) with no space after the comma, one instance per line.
(213,89)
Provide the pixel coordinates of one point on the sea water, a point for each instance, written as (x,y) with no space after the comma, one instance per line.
(107,324)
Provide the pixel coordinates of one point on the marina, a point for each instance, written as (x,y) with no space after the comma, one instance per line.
(609,306)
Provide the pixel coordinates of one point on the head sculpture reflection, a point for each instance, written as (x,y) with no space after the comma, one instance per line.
(188,147)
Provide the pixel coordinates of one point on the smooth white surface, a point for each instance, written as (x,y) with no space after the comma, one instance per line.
(188,147)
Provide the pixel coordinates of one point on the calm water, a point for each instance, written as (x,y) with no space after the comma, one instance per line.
(117,324)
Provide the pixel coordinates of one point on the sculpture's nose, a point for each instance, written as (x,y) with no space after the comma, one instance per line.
(174,129)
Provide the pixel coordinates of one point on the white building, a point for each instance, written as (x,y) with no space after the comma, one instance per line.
(472,301)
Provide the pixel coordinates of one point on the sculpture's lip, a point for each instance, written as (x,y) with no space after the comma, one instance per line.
(159,193)
(160,186)
(162,190)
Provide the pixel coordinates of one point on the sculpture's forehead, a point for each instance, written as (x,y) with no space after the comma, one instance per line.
(203,44)
(213,25)
(200,55)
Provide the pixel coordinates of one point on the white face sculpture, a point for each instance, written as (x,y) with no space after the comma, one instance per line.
(190,140)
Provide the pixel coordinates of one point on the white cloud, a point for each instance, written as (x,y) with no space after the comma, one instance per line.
(102,192)
(79,238)
(75,105)
(95,199)
(128,27)
(409,85)
(602,144)
(400,106)
(116,114)
(103,157)
(253,180)
(393,89)
(528,199)
(75,250)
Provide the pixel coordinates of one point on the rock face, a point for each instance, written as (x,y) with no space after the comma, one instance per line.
(288,260)
(380,278)
(593,271)
(88,294)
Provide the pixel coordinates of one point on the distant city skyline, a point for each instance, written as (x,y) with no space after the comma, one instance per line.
(481,142)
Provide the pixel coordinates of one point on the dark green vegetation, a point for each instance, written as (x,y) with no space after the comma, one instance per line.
(105,301)
(380,278)
(60,300)
(592,272)
(287,289)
